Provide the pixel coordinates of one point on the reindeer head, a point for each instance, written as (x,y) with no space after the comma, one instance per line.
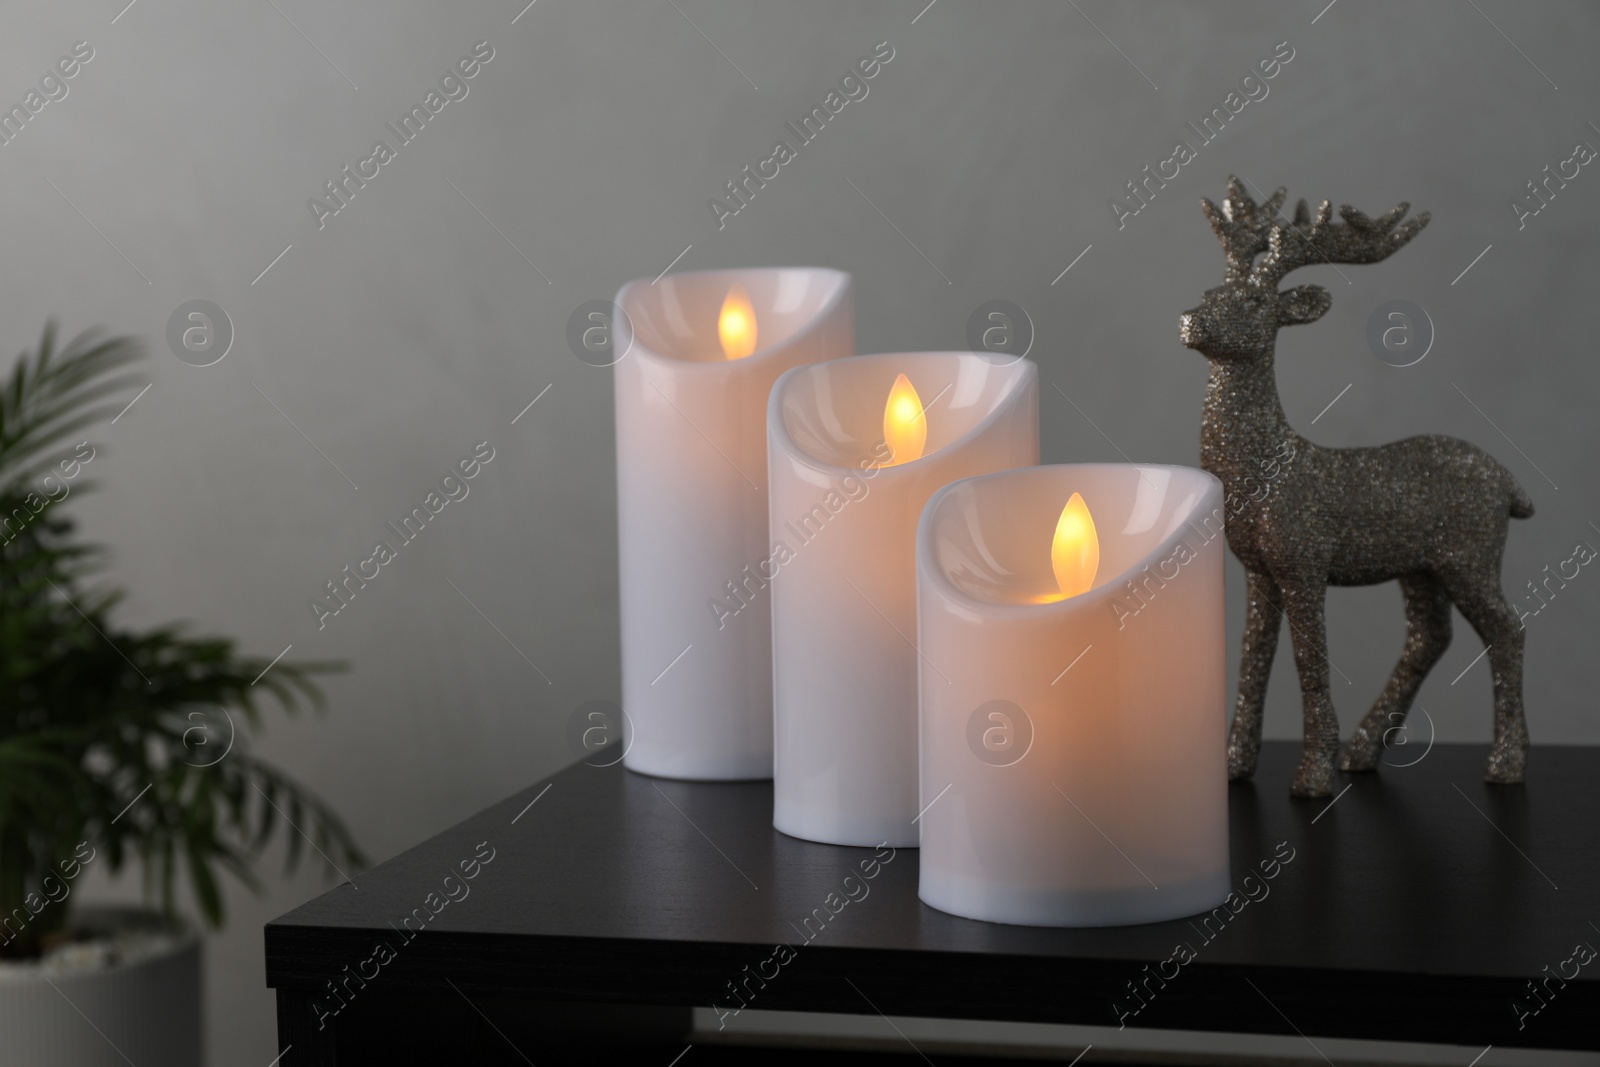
(1240,318)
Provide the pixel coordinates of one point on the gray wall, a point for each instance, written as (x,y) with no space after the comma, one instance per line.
(407,328)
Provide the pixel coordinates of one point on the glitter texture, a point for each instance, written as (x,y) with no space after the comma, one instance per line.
(1430,512)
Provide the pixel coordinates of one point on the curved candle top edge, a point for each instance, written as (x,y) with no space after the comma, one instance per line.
(1102,590)
(778,430)
(845,286)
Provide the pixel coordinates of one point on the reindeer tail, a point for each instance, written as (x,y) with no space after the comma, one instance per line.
(1521,503)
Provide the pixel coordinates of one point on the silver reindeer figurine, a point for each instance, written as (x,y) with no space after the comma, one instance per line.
(1431,512)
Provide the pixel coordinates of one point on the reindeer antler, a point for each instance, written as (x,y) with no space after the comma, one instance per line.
(1243,227)
(1308,240)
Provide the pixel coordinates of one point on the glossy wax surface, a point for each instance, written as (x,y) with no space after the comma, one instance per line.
(844,597)
(1073,752)
(692,509)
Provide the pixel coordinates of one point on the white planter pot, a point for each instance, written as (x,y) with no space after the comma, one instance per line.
(129,993)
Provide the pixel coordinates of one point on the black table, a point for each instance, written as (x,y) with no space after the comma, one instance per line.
(1418,906)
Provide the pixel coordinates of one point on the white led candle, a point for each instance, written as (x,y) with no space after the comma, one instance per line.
(1074,768)
(700,352)
(855,448)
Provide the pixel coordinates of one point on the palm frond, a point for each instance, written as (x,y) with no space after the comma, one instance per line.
(95,734)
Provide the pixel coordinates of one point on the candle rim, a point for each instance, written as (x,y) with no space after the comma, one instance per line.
(778,430)
(926,562)
(844,285)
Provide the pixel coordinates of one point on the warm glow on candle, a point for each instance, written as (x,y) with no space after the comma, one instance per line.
(905,423)
(1074,551)
(736,326)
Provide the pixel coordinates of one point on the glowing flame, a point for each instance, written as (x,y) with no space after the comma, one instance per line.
(905,423)
(736,326)
(1074,551)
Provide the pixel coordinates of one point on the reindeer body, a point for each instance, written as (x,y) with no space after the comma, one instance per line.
(1431,512)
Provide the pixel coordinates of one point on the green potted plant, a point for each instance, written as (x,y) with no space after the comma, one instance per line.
(116,745)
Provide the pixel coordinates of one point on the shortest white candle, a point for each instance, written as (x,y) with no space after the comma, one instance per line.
(1073,766)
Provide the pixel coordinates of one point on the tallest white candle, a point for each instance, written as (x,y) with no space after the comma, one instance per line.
(701,352)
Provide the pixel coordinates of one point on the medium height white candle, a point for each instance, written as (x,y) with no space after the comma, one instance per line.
(1074,768)
(700,354)
(855,448)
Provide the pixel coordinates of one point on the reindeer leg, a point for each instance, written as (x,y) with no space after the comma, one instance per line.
(1303,604)
(1484,605)
(1427,637)
(1255,666)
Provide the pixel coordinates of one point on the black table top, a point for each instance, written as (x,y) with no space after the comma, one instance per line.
(1417,905)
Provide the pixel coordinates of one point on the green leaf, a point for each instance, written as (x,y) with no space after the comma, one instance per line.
(93,712)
